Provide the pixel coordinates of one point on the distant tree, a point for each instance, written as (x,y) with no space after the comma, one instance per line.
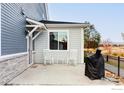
(107,45)
(86,37)
(91,37)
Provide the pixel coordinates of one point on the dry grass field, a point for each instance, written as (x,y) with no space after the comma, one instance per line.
(113,51)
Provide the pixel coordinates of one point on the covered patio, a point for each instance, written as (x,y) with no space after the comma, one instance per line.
(56,74)
(55,65)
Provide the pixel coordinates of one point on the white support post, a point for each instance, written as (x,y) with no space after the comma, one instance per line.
(30,33)
(36,35)
(29,50)
(30,47)
(32,25)
(27,37)
(39,24)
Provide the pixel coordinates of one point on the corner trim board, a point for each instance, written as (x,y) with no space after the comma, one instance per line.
(82,45)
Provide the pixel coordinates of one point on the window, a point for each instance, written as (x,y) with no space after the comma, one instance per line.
(58,41)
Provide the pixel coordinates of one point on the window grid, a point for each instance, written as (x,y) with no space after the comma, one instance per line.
(58,39)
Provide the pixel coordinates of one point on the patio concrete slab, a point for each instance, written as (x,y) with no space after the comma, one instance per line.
(56,74)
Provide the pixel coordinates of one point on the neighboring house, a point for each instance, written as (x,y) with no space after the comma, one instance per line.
(26,28)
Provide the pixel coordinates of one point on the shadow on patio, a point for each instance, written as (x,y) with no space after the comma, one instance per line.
(56,74)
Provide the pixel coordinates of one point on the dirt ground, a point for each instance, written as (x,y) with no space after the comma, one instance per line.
(118,79)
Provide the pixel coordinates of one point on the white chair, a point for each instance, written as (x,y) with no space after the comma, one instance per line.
(47,56)
(58,56)
(67,58)
(62,57)
(73,56)
(53,56)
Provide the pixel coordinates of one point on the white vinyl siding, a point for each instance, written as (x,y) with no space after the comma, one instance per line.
(41,42)
(13,36)
(12,29)
(75,41)
(34,11)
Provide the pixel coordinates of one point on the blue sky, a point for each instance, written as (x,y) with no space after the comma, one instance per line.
(107,18)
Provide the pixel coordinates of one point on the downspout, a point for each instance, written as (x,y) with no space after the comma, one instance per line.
(30,49)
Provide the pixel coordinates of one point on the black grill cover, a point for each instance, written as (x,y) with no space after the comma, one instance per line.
(94,66)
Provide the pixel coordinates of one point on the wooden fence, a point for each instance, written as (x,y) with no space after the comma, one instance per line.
(118,60)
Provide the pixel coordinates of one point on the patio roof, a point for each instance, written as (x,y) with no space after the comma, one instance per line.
(50,23)
(33,26)
(57,22)
(39,26)
(33,23)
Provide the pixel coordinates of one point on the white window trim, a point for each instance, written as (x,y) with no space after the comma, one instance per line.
(57,30)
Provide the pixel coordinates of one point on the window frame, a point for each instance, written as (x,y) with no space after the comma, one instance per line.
(65,30)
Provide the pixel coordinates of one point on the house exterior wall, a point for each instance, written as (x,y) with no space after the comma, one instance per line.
(41,43)
(12,29)
(13,37)
(0,29)
(11,66)
(14,58)
(35,11)
(75,41)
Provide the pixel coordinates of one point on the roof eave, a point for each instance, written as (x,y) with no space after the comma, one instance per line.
(67,25)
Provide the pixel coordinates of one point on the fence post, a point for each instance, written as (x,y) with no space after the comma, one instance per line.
(118,66)
(107,58)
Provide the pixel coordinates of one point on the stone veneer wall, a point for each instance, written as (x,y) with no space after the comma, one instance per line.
(12,65)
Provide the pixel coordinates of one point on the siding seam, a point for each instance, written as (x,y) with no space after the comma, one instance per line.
(13,29)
